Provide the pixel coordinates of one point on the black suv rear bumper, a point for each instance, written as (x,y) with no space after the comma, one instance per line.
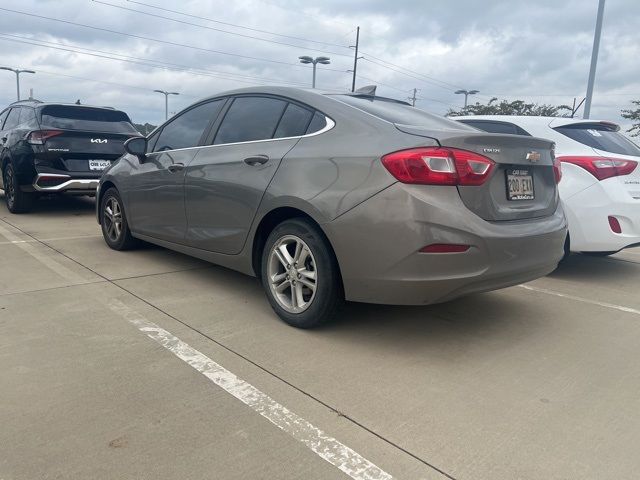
(57,183)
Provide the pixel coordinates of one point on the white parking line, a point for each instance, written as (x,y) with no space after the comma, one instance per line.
(55,239)
(325,446)
(582,299)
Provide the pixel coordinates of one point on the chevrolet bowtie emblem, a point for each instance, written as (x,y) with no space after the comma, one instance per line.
(533,156)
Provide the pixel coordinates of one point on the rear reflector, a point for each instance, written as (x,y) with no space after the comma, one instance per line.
(438,166)
(557,169)
(38,137)
(602,167)
(615,225)
(444,248)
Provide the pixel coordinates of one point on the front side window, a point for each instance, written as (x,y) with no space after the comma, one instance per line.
(186,130)
(600,137)
(249,119)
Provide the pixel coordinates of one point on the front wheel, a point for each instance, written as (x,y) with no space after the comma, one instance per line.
(300,274)
(17,200)
(113,221)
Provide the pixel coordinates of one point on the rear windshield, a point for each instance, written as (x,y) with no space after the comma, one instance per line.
(85,118)
(600,137)
(400,113)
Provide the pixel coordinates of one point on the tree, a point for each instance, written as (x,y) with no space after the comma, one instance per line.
(145,129)
(633,115)
(516,107)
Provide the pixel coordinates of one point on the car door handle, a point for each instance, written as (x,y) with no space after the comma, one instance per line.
(176,167)
(256,160)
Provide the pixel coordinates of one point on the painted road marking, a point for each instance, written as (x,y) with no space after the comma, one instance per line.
(325,446)
(582,299)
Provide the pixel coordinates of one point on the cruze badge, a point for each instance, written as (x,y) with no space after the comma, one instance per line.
(533,156)
(98,140)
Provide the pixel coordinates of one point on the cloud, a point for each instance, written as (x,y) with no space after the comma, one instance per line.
(538,51)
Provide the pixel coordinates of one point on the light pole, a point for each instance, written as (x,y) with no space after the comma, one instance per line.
(17,72)
(466,94)
(314,61)
(594,60)
(166,101)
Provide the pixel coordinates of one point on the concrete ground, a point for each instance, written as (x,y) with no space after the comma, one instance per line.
(534,382)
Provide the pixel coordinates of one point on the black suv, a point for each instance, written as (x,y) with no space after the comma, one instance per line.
(57,148)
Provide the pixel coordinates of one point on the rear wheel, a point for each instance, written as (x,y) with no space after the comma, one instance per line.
(113,221)
(17,200)
(300,274)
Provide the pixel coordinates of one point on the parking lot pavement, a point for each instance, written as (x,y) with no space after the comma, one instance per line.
(532,382)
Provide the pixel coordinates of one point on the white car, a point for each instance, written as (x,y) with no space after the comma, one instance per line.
(600,186)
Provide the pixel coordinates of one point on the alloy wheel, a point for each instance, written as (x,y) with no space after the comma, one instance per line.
(292,274)
(112,218)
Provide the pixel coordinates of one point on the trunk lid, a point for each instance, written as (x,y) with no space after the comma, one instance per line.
(524,162)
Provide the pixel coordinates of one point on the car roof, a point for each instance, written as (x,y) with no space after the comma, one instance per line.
(40,104)
(534,120)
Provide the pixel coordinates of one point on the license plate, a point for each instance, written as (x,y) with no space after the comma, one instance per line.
(520,184)
(99,164)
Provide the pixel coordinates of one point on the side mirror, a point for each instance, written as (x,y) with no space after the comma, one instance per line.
(136,146)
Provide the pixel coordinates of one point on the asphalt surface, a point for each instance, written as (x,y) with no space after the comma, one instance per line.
(152,365)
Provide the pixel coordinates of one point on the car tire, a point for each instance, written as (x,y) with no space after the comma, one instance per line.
(17,201)
(304,287)
(113,222)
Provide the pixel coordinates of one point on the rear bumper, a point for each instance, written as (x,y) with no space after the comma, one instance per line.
(588,212)
(57,183)
(390,228)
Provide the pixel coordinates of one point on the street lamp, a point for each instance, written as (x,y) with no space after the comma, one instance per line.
(466,94)
(17,72)
(166,101)
(314,61)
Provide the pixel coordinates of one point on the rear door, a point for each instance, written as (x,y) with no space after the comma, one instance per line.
(155,189)
(226,181)
(83,139)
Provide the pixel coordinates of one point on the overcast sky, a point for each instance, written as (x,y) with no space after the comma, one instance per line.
(538,50)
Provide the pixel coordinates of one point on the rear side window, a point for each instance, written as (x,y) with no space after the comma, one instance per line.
(28,117)
(294,121)
(400,113)
(250,118)
(69,117)
(600,137)
(318,122)
(496,127)
(187,129)
(12,119)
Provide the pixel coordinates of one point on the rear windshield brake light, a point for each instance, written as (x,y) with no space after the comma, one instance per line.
(602,167)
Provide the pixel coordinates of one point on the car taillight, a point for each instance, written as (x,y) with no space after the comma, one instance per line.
(557,169)
(438,166)
(38,137)
(602,167)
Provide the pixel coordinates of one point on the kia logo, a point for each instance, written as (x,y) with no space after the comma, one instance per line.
(98,140)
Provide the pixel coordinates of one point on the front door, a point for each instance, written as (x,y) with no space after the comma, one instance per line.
(156,188)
